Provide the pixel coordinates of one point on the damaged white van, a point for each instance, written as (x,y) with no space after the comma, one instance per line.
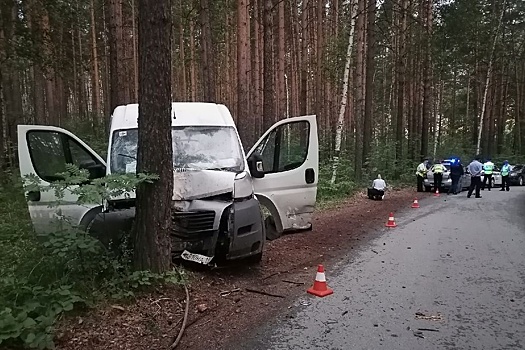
(217,188)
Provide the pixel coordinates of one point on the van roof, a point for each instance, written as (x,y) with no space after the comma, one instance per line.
(185,114)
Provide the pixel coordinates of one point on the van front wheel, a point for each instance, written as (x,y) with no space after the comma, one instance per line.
(271,229)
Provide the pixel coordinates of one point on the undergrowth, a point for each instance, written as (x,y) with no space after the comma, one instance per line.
(51,273)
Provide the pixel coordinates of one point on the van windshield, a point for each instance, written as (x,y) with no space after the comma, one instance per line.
(194,148)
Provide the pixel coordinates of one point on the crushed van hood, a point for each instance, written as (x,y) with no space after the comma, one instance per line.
(197,184)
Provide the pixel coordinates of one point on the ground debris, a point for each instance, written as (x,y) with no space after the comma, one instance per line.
(419,334)
(422,316)
(228,292)
(264,293)
(428,329)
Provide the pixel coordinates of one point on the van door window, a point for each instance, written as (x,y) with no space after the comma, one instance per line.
(285,148)
(50,151)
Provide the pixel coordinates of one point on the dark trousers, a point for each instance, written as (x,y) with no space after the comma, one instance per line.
(375,194)
(420,180)
(454,188)
(475,184)
(438,179)
(487,177)
(505,183)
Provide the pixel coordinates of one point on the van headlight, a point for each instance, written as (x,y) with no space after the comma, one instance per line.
(243,186)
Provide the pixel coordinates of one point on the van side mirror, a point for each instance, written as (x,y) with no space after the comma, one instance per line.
(96,171)
(255,164)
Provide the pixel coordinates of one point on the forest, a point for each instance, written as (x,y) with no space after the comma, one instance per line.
(390,81)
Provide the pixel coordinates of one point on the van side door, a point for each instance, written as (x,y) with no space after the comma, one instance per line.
(288,160)
(44,151)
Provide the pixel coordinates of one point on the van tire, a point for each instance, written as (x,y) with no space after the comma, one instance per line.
(271,229)
(255,259)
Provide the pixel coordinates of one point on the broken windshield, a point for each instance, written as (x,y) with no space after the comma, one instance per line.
(194,147)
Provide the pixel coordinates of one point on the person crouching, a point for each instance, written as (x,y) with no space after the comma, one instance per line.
(377,191)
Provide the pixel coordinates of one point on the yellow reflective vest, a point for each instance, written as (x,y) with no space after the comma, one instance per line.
(437,168)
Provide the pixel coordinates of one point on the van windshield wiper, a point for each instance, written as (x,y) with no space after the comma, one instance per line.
(126,156)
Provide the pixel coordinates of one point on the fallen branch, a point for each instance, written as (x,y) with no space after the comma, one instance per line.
(179,336)
(293,282)
(264,293)
(273,274)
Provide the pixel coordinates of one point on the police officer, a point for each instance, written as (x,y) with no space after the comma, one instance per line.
(505,171)
(421,172)
(488,169)
(437,169)
(456,171)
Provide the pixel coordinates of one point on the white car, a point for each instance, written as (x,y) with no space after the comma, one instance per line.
(217,188)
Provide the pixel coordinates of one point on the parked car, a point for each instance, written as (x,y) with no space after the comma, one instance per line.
(218,189)
(517,175)
(464,181)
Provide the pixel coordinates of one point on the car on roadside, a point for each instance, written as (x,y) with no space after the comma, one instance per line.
(517,175)
(464,180)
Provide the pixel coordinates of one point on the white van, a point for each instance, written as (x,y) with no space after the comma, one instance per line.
(217,188)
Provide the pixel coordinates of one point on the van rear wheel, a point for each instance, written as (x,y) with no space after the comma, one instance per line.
(271,229)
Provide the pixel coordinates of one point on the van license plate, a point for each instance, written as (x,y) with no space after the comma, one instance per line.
(198,258)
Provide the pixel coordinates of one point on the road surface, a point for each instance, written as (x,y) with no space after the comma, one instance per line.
(450,276)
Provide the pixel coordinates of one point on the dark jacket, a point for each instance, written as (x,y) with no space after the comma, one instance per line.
(456,170)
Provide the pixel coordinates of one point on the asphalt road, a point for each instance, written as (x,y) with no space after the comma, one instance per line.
(455,267)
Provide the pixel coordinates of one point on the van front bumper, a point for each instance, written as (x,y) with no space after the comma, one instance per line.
(222,229)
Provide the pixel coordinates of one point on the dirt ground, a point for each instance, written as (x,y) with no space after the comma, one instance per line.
(223,304)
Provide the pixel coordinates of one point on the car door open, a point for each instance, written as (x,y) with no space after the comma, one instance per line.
(285,167)
(44,151)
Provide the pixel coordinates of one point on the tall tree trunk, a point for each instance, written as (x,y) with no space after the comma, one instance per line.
(360,90)
(208,55)
(96,80)
(400,114)
(153,223)
(281,88)
(269,91)
(427,81)
(116,53)
(489,73)
(244,120)
(344,97)
(369,83)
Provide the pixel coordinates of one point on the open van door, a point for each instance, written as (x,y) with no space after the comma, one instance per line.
(44,151)
(284,165)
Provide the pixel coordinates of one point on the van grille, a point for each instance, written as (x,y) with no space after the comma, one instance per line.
(189,222)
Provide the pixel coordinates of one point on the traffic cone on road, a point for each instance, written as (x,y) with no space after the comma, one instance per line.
(320,288)
(437,193)
(391,222)
(415,204)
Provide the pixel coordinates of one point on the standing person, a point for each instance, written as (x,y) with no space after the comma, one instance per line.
(377,191)
(505,171)
(475,168)
(437,169)
(456,172)
(421,172)
(488,168)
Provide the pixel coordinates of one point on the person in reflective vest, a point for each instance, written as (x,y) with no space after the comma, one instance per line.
(505,171)
(488,169)
(437,169)
(421,172)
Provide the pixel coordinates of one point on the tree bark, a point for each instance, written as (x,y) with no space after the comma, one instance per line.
(268,89)
(369,83)
(208,56)
(360,91)
(153,223)
(96,108)
(244,120)
(427,81)
(344,96)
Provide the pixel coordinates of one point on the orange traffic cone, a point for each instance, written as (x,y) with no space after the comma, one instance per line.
(415,204)
(391,222)
(320,287)
(437,193)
